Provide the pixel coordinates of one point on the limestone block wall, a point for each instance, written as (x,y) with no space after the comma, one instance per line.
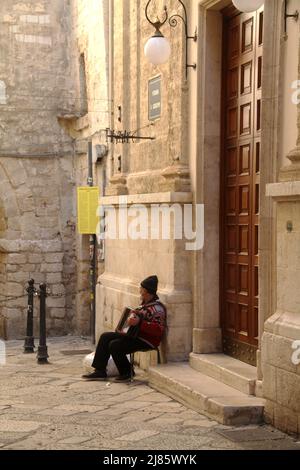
(281,329)
(2,290)
(90,59)
(148,171)
(147,166)
(38,83)
(128,262)
(37,241)
(3,226)
(36,74)
(280,362)
(91,34)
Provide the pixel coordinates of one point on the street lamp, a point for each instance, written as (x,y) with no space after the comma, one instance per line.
(158,49)
(247,6)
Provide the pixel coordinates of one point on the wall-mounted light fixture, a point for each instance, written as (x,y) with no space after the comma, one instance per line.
(247,6)
(158,49)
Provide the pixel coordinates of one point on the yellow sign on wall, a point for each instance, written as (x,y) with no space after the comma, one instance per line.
(87,209)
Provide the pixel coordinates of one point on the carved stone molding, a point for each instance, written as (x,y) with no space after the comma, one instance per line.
(117,186)
(176,178)
(291,172)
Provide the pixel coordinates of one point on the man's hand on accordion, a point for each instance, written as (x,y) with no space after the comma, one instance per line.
(133,319)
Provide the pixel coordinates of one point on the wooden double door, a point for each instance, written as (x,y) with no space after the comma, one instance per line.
(242,82)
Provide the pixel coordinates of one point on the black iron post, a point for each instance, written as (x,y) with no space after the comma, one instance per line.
(29,340)
(42,355)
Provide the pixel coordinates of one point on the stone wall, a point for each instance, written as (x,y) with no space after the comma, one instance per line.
(280,363)
(147,171)
(36,71)
(279,357)
(37,229)
(38,242)
(148,166)
(90,56)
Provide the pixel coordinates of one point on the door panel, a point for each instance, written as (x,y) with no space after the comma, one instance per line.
(242,80)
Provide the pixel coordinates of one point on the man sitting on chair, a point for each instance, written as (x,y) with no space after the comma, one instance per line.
(151,318)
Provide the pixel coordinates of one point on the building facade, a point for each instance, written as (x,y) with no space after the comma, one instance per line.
(226,139)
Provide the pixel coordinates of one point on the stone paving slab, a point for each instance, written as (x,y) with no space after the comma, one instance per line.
(137,436)
(202,424)
(7,437)
(140,416)
(251,434)
(8,425)
(52,408)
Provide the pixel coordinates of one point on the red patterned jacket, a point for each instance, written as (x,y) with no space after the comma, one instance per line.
(153,322)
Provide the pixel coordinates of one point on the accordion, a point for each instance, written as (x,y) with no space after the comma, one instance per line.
(124,328)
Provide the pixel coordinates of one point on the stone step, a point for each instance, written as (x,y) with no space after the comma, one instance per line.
(206,395)
(227,370)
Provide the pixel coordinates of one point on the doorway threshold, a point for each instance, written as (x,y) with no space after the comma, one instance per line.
(227,370)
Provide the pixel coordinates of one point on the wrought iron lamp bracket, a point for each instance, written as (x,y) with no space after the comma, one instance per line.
(173,21)
(124,137)
(158,23)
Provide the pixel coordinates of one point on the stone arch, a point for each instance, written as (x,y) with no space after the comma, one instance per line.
(12,175)
(36,242)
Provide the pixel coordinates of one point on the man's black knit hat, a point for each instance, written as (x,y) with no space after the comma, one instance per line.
(150,284)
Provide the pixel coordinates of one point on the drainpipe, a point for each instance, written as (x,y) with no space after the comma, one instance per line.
(93,242)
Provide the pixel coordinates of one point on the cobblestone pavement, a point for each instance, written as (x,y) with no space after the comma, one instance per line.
(51,407)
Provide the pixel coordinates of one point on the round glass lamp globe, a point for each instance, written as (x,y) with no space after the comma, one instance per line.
(247,6)
(157,50)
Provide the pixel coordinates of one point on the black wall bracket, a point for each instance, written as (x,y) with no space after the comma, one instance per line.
(123,137)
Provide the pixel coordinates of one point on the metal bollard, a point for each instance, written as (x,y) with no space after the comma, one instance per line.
(29,340)
(42,355)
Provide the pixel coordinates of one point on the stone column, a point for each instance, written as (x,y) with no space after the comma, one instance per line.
(292,172)
(281,373)
(205,164)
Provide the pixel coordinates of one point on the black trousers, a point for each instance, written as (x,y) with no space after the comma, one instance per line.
(117,346)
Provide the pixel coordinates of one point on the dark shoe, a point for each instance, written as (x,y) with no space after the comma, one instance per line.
(123,378)
(97,375)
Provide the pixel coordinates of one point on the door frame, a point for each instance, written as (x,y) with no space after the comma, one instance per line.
(205,164)
(243,351)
